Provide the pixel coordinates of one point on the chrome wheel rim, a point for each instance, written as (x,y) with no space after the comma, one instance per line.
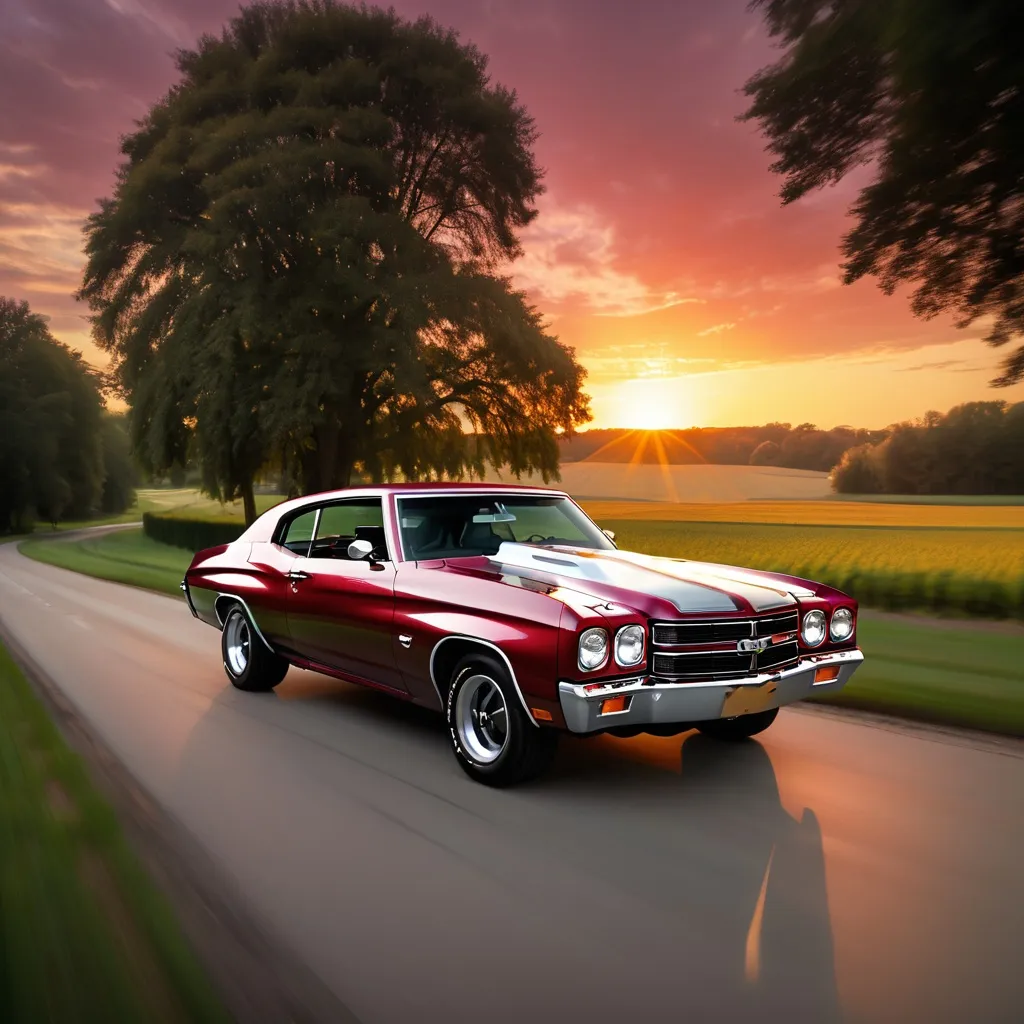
(237,643)
(481,718)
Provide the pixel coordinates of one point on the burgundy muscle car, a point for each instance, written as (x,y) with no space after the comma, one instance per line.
(510,611)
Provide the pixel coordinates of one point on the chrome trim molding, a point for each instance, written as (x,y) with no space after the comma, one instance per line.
(188,598)
(316,530)
(655,702)
(249,615)
(493,647)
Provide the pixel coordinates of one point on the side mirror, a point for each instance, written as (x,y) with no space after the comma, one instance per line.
(610,534)
(360,549)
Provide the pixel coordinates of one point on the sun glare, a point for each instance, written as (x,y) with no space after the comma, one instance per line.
(649,405)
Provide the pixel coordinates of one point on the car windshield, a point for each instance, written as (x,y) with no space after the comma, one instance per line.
(457,526)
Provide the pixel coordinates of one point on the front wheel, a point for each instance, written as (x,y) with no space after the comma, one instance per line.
(739,728)
(493,739)
(250,665)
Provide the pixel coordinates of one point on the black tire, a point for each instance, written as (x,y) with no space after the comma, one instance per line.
(741,727)
(522,753)
(250,665)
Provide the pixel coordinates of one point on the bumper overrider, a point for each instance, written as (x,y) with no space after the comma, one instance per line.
(646,700)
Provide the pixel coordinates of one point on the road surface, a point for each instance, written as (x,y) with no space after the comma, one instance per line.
(839,870)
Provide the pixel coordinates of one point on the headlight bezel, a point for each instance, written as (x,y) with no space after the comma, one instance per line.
(630,627)
(593,630)
(847,612)
(817,613)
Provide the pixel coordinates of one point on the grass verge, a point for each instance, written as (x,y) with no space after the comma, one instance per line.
(84,934)
(961,674)
(122,556)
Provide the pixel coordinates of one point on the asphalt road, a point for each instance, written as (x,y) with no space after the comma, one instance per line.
(839,870)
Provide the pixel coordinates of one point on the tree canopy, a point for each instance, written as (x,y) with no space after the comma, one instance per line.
(301,262)
(976,448)
(930,95)
(53,440)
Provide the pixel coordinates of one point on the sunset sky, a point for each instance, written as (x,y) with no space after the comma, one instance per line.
(661,251)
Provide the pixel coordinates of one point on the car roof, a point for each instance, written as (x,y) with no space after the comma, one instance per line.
(265,524)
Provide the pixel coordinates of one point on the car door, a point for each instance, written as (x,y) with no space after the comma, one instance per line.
(341,611)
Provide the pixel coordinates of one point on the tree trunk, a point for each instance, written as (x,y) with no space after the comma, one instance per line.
(248,502)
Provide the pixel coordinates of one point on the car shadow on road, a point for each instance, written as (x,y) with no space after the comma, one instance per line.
(695,831)
(752,873)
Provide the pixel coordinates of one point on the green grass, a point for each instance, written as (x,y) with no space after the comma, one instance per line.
(953,673)
(123,556)
(84,935)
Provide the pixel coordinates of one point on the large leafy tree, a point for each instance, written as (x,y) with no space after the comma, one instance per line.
(930,95)
(51,452)
(302,259)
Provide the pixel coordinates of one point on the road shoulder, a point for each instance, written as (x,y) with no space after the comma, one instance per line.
(258,979)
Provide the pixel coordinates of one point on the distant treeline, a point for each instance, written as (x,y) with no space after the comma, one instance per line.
(977,448)
(62,456)
(775,444)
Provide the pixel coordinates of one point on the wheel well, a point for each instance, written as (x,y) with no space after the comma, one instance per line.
(448,654)
(222,606)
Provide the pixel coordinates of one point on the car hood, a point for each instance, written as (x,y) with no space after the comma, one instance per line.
(658,587)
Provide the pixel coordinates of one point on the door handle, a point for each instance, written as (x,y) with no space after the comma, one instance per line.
(297,574)
(404,639)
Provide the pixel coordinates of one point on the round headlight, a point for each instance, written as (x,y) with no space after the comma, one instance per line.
(814,628)
(593,649)
(629,646)
(841,627)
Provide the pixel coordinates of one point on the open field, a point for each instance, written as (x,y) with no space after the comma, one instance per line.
(972,571)
(611,480)
(935,499)
(942,670)
(823,513)
(82,926)
(980,554)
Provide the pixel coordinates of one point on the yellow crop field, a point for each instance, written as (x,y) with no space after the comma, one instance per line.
(975,570)
(822,513)
(989,554)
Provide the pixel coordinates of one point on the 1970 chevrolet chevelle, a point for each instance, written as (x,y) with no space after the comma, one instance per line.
(514,614)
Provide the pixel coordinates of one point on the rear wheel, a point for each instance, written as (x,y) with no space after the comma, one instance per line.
(250,665)
(739,728)
(493,739)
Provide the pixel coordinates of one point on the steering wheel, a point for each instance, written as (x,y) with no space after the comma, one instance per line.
(536,538)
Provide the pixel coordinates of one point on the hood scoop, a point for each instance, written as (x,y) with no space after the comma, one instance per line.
(564,563)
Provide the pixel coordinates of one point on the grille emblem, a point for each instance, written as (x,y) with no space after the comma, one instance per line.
(762,643)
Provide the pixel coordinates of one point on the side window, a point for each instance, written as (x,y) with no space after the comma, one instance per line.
(346,521)
(299,532)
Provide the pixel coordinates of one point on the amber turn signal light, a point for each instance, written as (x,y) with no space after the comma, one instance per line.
(826,675)
(613,704)
(541,714)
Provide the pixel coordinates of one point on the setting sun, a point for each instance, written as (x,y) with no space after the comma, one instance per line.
(650,404)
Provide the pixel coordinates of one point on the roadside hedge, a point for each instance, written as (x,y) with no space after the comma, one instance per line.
(191,534)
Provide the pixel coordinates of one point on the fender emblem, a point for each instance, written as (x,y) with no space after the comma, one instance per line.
(762,643)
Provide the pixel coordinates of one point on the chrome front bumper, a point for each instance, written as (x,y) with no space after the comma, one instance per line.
(662,703)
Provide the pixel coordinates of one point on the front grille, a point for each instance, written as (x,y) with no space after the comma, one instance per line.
(678,634)
(778,655)
(774,624)
(706,665)
(672,634)
(689,661)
